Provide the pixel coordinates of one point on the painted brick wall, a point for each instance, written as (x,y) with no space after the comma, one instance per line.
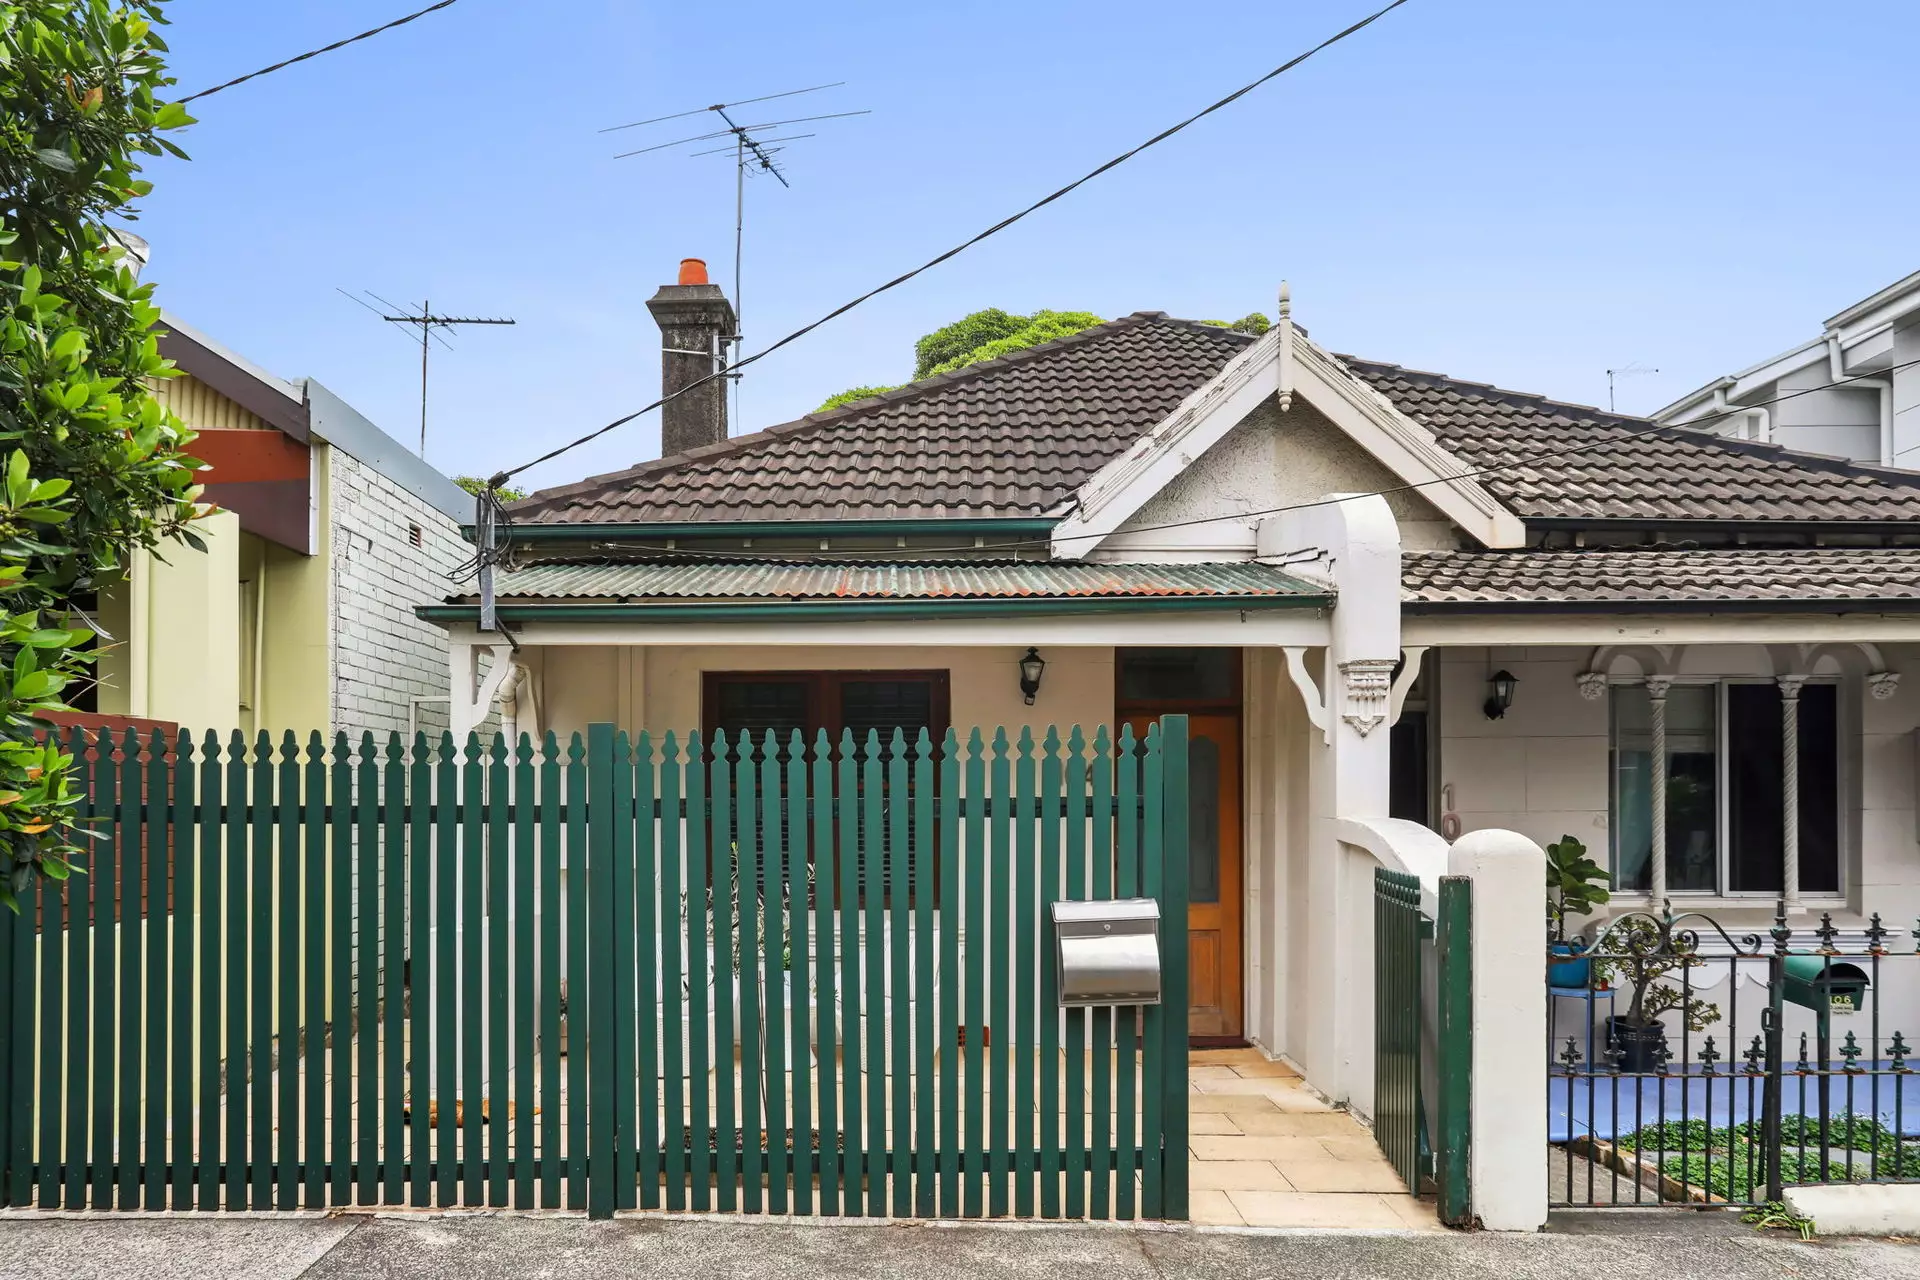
(383,656)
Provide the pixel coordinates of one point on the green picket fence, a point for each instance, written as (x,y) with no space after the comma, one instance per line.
(757,976)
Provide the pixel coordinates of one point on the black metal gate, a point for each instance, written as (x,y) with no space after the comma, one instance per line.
(1689,1065)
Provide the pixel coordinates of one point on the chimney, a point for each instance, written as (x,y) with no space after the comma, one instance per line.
(695,318)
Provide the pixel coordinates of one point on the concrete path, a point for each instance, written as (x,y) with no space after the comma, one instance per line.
(1619,1246)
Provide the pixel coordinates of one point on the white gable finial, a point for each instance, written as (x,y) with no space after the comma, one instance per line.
(1285,337)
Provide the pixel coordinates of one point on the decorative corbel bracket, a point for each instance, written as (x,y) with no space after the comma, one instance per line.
(1410,659)
(1310,693)
(1369,692)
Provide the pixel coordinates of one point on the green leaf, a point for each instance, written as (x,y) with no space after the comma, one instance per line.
(54,159)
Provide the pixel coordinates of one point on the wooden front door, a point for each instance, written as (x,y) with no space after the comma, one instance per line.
(1215,956)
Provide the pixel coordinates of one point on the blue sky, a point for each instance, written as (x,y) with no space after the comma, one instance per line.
(1511,191)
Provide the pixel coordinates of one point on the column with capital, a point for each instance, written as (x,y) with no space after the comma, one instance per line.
(1657,688)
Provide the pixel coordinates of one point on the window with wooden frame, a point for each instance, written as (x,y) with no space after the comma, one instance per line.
(862,702)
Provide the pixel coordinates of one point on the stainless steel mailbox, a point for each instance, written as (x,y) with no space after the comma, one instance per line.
(1108,952)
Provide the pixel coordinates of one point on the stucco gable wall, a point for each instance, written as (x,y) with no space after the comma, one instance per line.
(1272,459)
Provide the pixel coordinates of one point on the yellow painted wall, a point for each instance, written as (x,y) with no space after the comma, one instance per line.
(189,655)
(175,623)
(659,688)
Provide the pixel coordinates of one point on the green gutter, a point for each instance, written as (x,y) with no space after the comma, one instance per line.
(866,610)
(1488,608)
(531,532)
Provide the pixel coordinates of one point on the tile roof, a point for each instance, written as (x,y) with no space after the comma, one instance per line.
(1008,437)
(1016,436)
(1630,468)
(895,580)
(1614,577)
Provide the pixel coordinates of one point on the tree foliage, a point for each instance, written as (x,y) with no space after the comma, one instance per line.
(474,484)
(993,332)
(94,465)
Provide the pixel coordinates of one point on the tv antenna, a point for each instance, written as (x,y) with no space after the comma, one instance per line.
(1626,371)
(428,321)
(752,151)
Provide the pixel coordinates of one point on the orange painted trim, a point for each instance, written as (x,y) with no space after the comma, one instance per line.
(243,457)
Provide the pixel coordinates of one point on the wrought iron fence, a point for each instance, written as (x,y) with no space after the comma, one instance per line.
(1728,1065)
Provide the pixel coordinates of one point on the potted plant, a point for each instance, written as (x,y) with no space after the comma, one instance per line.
(1575,886)
(1639,957)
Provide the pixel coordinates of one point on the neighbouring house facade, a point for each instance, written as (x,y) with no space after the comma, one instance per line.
(1397,607)
(322,531)
(1853,391)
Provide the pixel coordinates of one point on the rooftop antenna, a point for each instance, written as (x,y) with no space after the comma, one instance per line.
(751,153)
(1625,371)
(428,321)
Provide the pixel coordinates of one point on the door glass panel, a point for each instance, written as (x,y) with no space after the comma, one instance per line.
(1203,820)
(1177,675)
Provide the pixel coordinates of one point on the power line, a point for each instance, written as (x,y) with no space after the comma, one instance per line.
(1691,424)
(314,53)
(500,478)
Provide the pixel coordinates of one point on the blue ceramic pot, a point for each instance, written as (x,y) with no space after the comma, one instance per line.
(1568,973)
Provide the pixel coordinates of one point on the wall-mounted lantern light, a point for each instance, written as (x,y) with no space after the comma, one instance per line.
(1504,682)
(1032,667)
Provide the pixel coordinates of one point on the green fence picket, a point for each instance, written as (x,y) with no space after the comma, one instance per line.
(131,1047)
(1155,1066)
(525,901)
(180,987)
(773,863)
(973,1164)
(313,953)
(1052,795)
(16,1160)
(578,998)
(673,932)
(901,856)
(1100,1051)
(287,955)
(395,876)
(1126,1021)
(1074,1104)
(339,1008)
(151,1156)
(999,1030)
(853,1159)
(444,1000)
(751,945)
(725,884)
(469,995)
(498,1111)
(420,975)
(800,910)
(1173,993)
(374,878)
(651,998)
(1026,929)
(20,1089)
(699,863)
(82,904)
(826,888)
(596,882)
(616,970)
(550,974)
(873,1001)
(925,1095)
(240,946)
(951,985)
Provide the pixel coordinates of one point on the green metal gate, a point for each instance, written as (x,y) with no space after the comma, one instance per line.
(1411,1084)
(602,974)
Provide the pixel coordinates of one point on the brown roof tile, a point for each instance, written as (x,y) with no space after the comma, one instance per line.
(1625,577)
(1571,461)
(1016,436)
(1008,437)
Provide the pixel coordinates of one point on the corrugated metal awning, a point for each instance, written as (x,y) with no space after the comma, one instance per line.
(786,581)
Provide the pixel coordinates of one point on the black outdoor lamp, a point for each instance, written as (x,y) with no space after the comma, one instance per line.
(1503,682)
(1032,667)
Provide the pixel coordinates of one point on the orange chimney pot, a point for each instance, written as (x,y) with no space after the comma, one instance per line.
(693,271)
